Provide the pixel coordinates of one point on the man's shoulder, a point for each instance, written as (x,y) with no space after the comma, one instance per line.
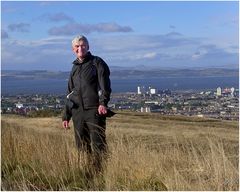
(97,58)
(98,61)
(74,68)
(75,62)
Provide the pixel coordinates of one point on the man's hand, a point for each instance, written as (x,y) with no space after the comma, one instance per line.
(102,110)
(65,124)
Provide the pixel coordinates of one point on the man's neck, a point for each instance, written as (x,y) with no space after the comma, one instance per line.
(80,60)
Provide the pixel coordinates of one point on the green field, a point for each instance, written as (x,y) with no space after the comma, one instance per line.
(146,152)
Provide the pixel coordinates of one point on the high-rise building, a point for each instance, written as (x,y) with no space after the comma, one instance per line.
(139,90)
(153,91)
(232,91)
(219,91)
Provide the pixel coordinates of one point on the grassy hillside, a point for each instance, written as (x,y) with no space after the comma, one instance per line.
(147,152)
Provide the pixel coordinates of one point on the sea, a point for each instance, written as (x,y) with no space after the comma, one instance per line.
(59,86)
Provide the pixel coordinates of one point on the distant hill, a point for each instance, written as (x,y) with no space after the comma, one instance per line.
(35,74)
(124,72)
(140,73)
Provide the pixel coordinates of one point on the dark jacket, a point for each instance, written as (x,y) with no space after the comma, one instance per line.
(89,85)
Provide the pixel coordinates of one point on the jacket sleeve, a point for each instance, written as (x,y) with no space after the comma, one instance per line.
(104,82)
(67,112)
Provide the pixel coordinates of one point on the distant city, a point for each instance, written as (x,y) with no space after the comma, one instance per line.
(219,103)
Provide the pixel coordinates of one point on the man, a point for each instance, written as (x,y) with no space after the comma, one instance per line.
(89,90)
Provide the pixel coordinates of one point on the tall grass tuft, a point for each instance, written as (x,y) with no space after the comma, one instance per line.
(168,154)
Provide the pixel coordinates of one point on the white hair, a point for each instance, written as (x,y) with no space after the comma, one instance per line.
(79,38)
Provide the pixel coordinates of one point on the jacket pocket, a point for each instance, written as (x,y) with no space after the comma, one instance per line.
(75,98)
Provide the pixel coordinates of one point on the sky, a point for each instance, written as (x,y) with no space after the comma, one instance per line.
(159,34)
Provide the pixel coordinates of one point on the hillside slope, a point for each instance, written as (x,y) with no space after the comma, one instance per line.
(146,152)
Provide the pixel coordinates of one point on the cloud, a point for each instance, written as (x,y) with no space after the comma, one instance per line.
(172,27)
(164,50)
(171,42)
(234,46)
(231,21)
(212,56)
(225,20)
(4,34)
(51,3)
(45,3)
(9,10)
(75,28)
(19,27)
(202,51)
(8,7)
(46,42)
(152,49)
(58,17)
(173,34)
(52,54)
(174,50)
(148,55)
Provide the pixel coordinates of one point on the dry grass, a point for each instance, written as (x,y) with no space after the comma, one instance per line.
(147,152)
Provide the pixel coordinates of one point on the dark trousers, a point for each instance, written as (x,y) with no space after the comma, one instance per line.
(89,128)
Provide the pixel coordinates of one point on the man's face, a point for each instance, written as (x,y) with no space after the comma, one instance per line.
(80,49)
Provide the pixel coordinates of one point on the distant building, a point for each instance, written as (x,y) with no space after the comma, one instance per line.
(165,92)
(232,91)
(37,99)
(150,90)
(152,102)
(148,110)
(153,91)
(226,91)
(219,91)
(140,90)
(145,109)
(19,105)
(208,93)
